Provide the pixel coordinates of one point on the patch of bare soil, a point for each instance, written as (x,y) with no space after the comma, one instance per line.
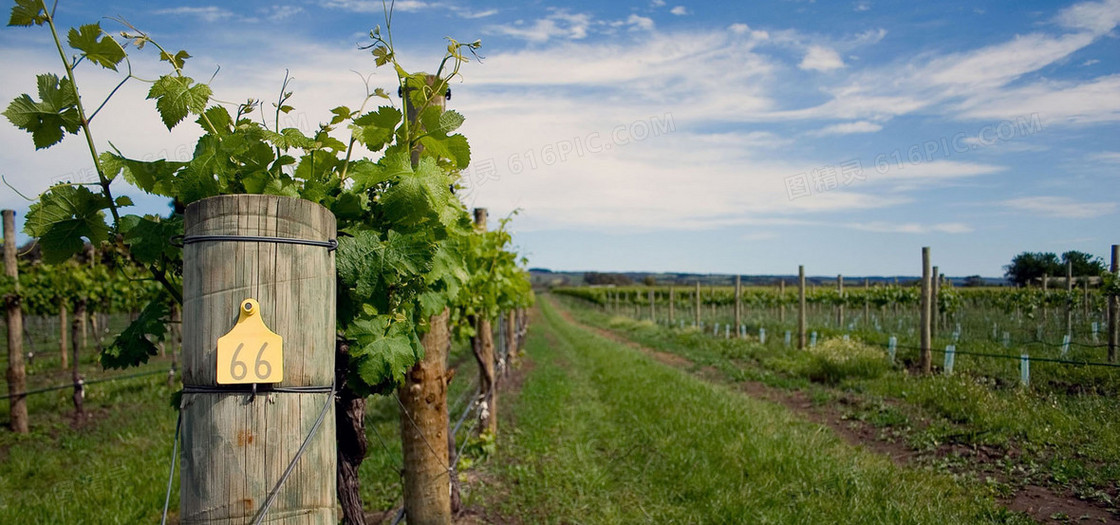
(1045,506)
(1040,503)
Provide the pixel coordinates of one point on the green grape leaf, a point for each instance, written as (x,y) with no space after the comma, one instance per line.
(149,237)
(97,46)
(177,60)
(155,177)
(27,12)
(176,97)
(375,129)
(46,120)
(454,148)
(137,343)
(64,216)
(450,121)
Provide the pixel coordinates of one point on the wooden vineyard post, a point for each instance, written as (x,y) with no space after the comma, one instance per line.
(424,411)
(866,302)
(16,374)
(483,346)
(511,339)
(782,302)
(1069,298)
(697,322)
(934,305)
(652,309)
(924,314)
(63,327)
(672,299)
(238,439)
(1114,308)
(840,302)
(1045,297)
(738,306)
(423,421)
(77,345)
(801,308)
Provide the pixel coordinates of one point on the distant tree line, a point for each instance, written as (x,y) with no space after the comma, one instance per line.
(596,278)
(1031,266)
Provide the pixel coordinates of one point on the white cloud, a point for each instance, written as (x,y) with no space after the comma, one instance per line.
(1110,157)
(277,13)
(821,58)
(657,3)
(559,23)
(846,128)
(911,227)
(863,6)
(640,23)
(1090,62)
(679,10)
(206,13)
(1096,17)
(1060,207)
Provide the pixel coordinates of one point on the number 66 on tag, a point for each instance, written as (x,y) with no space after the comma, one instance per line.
(250,352)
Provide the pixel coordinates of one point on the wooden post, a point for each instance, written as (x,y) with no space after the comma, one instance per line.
(782,302)
(424,420)
(483,346)
(672,299)
(1045,300)
(427,494)
(866,302)
(1114,308)
(697,304)
(75,359)
(801,324)
(840,303)
(17,374)
(63,329)
(924,316)
(1069,298)
(652,309)
(511,339)
(236,445)
(738,306)
(935,303)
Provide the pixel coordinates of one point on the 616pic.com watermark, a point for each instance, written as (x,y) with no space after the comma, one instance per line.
(833,176)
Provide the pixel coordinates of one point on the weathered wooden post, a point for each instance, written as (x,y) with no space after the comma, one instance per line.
(1069,297)
(1045,301)
(866,302)
(652,308)
(924,316)
(1114,308)
(483,346)
(697,322)
(63,327)
(423,397)
(16,374)
(801,324)
(840,302)
(935,302)
(672,299)
(258,272)
(782,302)
(424,428)
(738,306)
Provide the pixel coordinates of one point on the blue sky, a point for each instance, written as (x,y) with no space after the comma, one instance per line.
(684,136)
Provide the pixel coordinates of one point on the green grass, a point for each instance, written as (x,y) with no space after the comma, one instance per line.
(1066,437)
(605,434)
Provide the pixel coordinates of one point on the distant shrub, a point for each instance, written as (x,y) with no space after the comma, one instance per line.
(833,360)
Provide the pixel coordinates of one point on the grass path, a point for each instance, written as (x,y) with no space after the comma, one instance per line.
(605,434)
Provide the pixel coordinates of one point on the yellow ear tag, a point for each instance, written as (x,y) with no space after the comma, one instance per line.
(250,352)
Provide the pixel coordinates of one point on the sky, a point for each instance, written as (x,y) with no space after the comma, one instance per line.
(707,137)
